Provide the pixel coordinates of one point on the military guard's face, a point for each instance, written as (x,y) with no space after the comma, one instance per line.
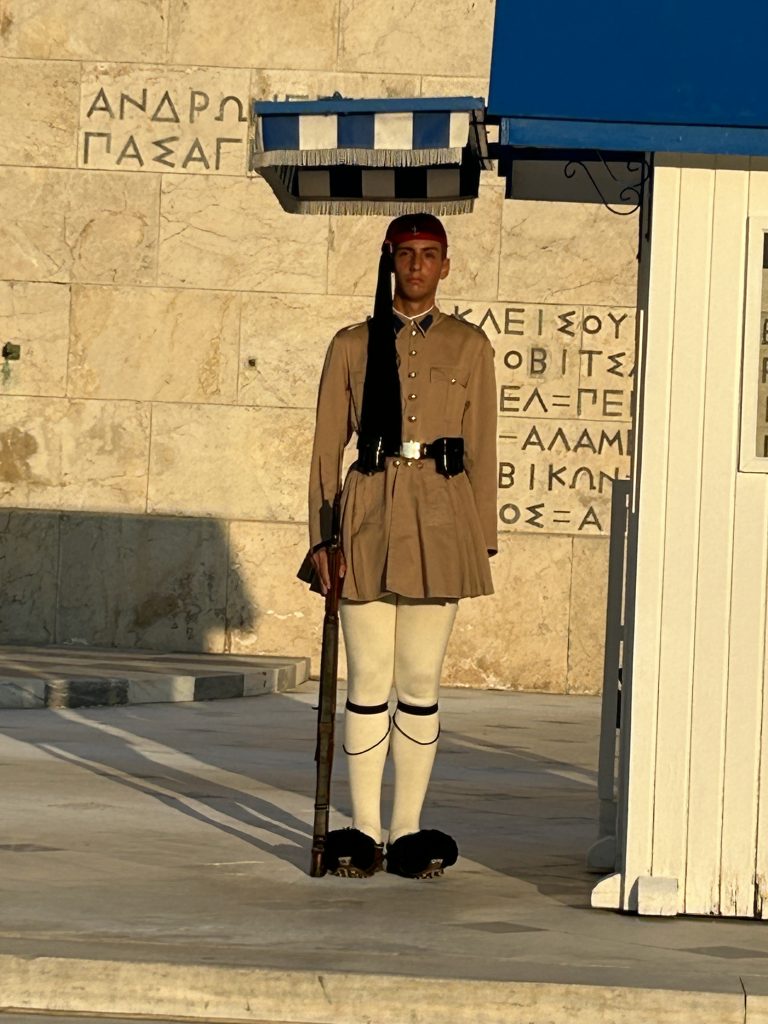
(419,268)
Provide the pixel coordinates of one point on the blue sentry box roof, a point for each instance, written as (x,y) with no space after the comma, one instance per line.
(694,64)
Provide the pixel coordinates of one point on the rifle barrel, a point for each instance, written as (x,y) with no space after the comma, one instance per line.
(326,712)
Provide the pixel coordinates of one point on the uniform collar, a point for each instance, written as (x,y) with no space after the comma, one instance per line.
(422,324)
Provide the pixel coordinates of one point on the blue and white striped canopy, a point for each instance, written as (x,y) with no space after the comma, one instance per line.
(358,156)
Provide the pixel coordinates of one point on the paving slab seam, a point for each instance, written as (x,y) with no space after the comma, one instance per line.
(225,994)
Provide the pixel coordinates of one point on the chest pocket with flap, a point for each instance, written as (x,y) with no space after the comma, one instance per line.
(448,388)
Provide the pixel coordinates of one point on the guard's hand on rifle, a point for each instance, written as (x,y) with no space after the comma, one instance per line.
(320,562)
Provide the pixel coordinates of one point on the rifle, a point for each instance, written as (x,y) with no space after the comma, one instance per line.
(326,712)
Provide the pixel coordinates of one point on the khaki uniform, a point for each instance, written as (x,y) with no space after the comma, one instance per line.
(409,530)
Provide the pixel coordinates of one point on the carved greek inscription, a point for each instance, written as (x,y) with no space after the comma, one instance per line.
(560,362)
(565,378)
(136,121)
(558,478)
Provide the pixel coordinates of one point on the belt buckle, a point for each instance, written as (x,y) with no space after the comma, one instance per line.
(410,449)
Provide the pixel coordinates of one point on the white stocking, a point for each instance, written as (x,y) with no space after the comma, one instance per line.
(369,637)
(422,631)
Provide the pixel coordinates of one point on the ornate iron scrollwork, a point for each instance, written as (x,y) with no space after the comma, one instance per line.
(631,191)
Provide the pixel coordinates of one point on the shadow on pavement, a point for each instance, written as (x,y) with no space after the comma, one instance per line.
(134,747)
(516,808)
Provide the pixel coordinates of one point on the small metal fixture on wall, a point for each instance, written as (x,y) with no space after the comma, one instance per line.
(10,351)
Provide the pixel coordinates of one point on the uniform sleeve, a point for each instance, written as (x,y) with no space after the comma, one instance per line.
(479,429)
(333,429)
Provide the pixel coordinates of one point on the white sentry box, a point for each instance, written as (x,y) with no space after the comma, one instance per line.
(692,824)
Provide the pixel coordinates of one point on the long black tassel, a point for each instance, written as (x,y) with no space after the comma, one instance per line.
(381,416)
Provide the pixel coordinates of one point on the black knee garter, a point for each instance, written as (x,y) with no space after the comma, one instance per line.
(415,709)
(368,709)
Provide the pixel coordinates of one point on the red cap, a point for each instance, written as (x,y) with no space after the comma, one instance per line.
(416,225)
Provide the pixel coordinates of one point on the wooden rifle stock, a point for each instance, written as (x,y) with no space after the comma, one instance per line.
(326,712)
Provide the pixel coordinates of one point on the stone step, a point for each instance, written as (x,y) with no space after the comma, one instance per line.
(78,677)
(206,992)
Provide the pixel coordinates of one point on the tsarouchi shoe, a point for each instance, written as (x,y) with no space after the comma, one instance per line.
(423,854)
(351,853)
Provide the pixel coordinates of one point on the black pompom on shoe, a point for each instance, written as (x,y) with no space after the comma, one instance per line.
(351,853)
(423,854)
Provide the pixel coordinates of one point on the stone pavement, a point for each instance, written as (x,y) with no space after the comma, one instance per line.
(154,862)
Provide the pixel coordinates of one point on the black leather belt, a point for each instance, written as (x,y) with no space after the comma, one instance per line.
(447,452)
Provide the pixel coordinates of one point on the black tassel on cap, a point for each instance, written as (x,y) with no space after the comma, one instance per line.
(381,416)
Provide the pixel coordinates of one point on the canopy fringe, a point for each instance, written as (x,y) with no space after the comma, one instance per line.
(388,207)
(361,157)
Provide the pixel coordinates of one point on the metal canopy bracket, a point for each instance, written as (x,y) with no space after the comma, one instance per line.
(614,178)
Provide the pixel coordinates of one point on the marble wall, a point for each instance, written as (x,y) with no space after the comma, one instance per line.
(172,321)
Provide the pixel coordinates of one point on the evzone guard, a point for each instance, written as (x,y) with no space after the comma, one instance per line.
(417,526)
